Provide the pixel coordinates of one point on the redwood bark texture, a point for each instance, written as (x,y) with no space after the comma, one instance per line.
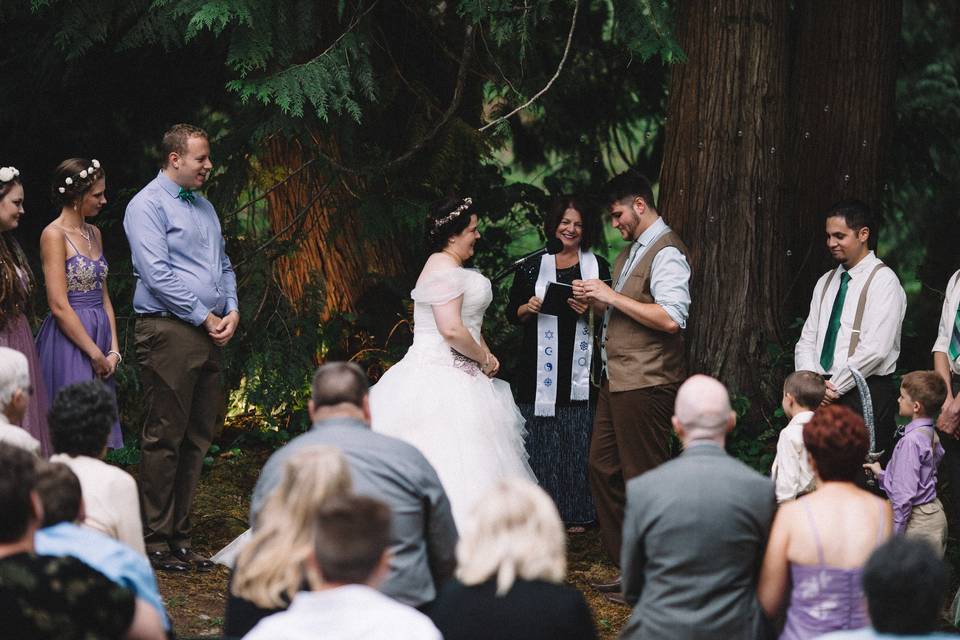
(842,95)
(325,234)
(776,114)
(721,183)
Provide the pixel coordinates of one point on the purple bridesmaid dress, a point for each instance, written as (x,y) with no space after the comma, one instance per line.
(825,598)
(17,335)
(61,362)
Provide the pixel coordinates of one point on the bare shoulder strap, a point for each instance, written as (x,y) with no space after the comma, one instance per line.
(66,237)
(861,306)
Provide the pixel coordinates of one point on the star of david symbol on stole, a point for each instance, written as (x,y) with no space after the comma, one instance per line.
(548,335)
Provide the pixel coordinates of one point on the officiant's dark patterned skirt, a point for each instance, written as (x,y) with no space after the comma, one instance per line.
(559,447)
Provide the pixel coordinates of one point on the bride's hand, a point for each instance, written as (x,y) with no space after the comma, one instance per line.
(578,307)
(491,366)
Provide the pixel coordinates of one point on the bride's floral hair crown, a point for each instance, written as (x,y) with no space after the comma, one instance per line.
(466,204)
(9,173)
(73,178)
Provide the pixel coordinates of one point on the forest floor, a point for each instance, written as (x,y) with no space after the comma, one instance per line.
(196,601)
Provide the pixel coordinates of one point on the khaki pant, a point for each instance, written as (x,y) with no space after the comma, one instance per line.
(631,435)
(928,522)
(182,390)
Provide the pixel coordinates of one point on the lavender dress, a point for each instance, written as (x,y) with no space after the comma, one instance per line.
(61,362)
(824,598)
(17,335)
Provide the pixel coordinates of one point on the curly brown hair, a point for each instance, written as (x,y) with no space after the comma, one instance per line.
(16,278)
(838,442)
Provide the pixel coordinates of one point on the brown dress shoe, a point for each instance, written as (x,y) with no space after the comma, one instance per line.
(166,561)
(192,558)
(611,586)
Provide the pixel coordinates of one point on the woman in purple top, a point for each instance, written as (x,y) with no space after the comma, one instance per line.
(820,542)
(15,283)
(78,340)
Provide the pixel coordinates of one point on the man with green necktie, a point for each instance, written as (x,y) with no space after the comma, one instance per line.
(946,362)
(854,322)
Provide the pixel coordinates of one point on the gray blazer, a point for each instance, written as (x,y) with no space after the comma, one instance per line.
(423,533)
(693,540)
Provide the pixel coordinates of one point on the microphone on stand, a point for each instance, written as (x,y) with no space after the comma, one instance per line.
(554,246)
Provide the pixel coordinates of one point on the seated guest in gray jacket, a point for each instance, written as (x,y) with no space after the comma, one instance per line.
(695,530)
(424,537)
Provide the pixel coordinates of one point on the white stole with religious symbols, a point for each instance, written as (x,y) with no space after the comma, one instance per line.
(547,340)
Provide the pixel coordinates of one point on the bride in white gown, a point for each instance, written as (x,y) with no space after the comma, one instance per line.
(442,396)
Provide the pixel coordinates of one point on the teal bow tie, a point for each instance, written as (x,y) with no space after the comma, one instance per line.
(186,195)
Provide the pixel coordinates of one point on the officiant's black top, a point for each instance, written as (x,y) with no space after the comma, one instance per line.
(523,288)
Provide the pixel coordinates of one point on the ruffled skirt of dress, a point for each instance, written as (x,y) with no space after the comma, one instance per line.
(18,336)
(63,363)
(467,426)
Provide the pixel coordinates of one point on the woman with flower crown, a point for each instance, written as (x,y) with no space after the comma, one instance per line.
(16,280)
(442,397)
(78,340)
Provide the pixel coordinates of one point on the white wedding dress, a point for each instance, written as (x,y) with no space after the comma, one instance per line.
(464,423)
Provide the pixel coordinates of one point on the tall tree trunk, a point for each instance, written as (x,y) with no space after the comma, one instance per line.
(842,98)
(720,187)
(327,243)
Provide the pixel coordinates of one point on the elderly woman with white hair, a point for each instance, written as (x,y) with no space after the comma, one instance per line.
(511,566)
(15,393)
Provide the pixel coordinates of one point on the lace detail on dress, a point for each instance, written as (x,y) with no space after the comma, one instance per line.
(83,274)
(465,364)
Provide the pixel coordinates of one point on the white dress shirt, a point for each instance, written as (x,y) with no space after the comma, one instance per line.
(669,279)
(110,499)
(350,612)
(791,472)
(879,345)
(947,317)
(669,274)
(17,436)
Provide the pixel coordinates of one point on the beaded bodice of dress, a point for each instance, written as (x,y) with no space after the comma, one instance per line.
(477,295)
(85,274)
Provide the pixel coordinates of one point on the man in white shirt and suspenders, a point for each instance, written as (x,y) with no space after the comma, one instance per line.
(854,322)
(946,362)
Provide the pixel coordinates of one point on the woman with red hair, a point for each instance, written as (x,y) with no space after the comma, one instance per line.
(820,542)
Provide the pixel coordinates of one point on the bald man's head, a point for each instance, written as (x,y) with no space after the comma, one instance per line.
(702,409)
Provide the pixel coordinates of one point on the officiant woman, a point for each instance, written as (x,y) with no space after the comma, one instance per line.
(553,375)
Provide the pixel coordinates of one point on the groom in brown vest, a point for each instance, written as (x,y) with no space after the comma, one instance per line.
(644,314)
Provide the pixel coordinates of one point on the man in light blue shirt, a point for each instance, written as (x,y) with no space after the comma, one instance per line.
(61,496)
(186,307)
(423,533)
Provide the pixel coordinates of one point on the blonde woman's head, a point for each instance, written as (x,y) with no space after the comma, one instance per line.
(272,567)
(514,532)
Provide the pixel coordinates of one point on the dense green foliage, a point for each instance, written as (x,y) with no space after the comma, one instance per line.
(391,97)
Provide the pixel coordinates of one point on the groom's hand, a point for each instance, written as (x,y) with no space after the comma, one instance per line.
(593,290)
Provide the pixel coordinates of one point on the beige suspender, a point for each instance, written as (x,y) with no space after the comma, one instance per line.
(861,305)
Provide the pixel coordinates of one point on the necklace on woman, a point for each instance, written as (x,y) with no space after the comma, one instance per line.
(84,233)
(453,255)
